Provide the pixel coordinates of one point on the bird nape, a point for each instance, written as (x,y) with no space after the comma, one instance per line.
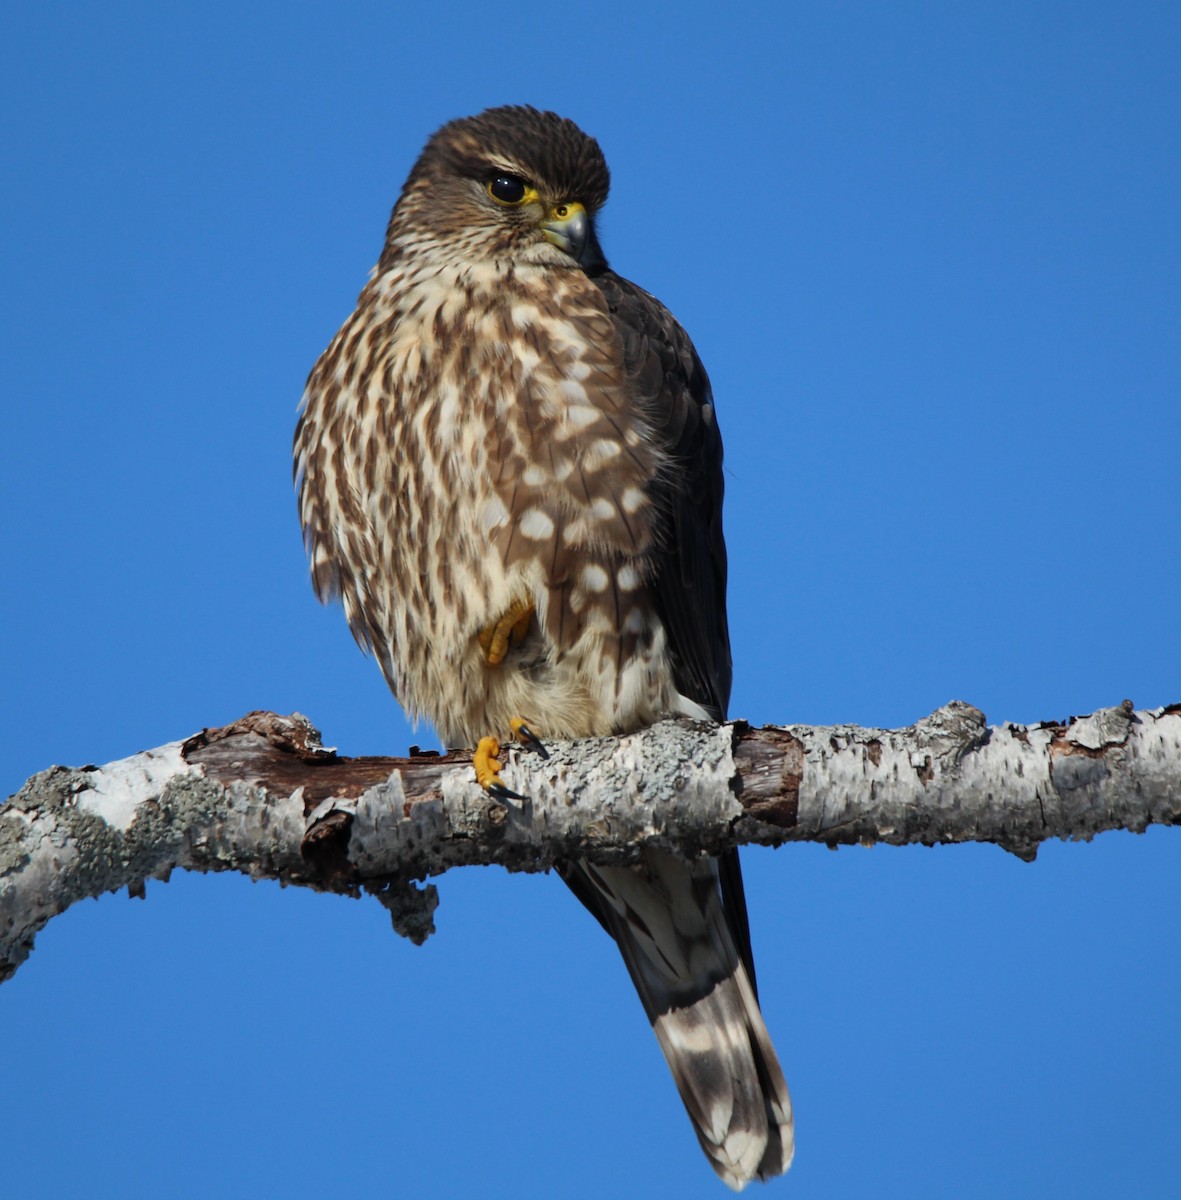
(510,473)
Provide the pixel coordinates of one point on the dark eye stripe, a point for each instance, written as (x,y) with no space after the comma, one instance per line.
(508,189)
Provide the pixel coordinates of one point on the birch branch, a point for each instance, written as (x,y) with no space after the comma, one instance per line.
(263,796)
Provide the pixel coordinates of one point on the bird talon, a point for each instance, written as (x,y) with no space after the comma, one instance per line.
(486,761)
(510,630)
(527,737)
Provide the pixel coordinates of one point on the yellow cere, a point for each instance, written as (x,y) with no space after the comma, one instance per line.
(563,212)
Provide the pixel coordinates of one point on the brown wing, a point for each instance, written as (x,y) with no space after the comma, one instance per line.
(690,585)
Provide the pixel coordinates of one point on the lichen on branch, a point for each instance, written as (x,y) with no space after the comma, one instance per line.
(265,797)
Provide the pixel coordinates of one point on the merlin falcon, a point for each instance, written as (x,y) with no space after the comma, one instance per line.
(510,473)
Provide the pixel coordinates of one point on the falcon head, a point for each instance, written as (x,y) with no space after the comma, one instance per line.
(510,184)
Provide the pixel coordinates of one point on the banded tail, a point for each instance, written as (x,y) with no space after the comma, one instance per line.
(688,955)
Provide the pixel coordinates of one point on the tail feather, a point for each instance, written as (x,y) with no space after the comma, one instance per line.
(668,919)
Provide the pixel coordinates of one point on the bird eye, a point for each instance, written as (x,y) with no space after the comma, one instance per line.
(507,189)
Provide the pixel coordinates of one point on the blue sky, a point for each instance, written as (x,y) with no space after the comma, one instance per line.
(931,256)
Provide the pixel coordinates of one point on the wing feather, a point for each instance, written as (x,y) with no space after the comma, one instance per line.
(673,391)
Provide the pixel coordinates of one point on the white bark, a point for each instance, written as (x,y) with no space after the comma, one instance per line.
(264,797)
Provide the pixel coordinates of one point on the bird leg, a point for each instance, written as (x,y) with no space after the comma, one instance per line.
(487,762)
(510,630)
(495,640)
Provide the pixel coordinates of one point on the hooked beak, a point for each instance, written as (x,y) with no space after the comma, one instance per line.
(569,227)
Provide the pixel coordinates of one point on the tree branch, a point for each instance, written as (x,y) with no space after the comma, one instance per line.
(264,797)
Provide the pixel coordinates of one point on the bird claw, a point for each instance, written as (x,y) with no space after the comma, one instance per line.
(486,761)
(527,737)
(510,630)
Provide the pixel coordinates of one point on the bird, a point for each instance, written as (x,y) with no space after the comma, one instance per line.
(509,471)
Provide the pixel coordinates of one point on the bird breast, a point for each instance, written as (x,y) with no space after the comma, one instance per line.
(489,451)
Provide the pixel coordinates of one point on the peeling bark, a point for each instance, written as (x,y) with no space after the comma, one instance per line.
(265,797)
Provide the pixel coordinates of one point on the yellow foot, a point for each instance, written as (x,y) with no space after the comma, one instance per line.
(511,629)
(487,762)
(527,737)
